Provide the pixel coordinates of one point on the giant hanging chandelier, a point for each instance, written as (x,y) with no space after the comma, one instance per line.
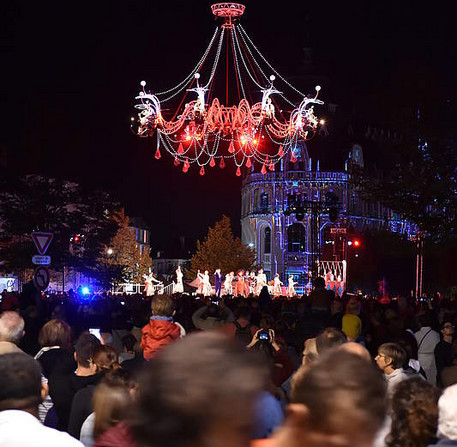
(260,127)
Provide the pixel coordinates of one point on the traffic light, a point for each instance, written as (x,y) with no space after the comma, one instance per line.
(76,238)
(356,243)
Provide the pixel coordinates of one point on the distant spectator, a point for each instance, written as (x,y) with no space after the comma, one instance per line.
(447,418)
(128,344)
(329,338)
(427,339)
(161,330)
(21,392)
(11,332)
(390,359)
(414,414)
(443,350)
(241,328)
(105,359)
(351,323)
(320,298)
(64,383)
(212,316)
(55,342)
(449,373)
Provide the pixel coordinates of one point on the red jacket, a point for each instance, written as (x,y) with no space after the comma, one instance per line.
(156,334)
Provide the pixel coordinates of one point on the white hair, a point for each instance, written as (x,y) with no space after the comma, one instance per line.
(447,408)
(11,327)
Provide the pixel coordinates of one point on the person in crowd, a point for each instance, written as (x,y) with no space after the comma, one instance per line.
(320,298)
(351,324)
(111,403)
(64,383)
(241,328)
(105,360)
(310,354)
(355,348)
(443,350)
(447,418)
(323,393)
(212,316)
(55,341)
(390,359)
(11,331)
(336,310)
(414,414)
(128,348)
(21,392)
(427,339)
(161,330)
(449,373)
(329,338)
(198,392)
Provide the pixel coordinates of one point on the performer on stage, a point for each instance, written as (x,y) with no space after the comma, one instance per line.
(261,281)
(149,288)
(178,287)
(239,286)
(291,289)
(217,282)
(200,282)
(246,283)
(252,283)
(277,283)
(228,283)
(207,288)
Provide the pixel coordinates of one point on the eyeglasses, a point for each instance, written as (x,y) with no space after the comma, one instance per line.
(448,326)
(380,355)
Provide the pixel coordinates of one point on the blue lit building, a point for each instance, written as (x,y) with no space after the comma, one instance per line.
(283,243)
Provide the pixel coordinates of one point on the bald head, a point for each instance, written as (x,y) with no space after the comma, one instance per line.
(11,327)
(355,348)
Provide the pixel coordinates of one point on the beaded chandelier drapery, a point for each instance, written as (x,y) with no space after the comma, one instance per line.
(260,127)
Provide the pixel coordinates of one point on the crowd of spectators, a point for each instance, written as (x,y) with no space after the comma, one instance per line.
(187,370)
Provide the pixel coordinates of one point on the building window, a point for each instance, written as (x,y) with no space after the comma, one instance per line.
(267,240)
(296,238)
(264,202)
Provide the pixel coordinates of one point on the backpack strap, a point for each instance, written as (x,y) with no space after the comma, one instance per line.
(422,339)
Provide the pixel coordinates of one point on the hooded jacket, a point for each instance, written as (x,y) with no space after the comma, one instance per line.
(156,334)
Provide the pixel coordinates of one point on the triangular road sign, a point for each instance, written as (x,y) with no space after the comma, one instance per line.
(42,241)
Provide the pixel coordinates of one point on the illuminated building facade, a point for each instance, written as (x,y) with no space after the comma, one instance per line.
(284,243)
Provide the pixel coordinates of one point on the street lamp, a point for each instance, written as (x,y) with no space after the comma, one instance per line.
(109,251)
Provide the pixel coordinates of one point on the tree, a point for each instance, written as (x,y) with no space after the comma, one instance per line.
(121,260)
(221,249)
(38,203)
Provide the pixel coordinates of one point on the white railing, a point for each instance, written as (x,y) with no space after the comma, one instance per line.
(132,289)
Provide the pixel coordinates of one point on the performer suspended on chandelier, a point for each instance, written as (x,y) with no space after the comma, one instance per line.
(149,288)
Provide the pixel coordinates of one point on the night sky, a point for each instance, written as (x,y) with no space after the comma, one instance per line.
(70,71)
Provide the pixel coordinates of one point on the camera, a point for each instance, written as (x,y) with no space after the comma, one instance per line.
(264,336)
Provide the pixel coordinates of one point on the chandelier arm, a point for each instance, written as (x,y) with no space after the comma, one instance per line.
(269,65)
(216,59)
(196,68)
(239,80)
(252,57)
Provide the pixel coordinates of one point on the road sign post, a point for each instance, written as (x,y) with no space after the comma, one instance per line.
(41,278)
(42,240)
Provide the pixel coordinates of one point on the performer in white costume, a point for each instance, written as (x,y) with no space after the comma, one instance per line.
(261,281)
(291,289)
(178,287)
(277,286)
(149,288)
(228,283)
(206,285)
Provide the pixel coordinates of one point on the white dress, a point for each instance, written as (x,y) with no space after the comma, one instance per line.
(207,289)
(261,282)
(179,288)
(277,286)
(291,288)
(228,285)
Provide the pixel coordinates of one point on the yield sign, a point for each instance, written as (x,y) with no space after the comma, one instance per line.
(42,241)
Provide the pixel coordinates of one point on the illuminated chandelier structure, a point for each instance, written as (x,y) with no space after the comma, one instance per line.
(204,131)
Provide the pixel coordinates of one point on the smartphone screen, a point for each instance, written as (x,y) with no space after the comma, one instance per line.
(96,332)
